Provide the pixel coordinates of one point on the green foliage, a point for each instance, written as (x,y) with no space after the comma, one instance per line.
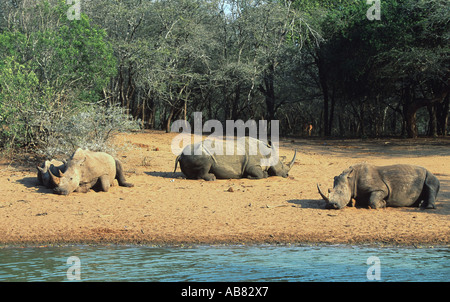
(49,66)
(86,58)
(20,103)
(304,61)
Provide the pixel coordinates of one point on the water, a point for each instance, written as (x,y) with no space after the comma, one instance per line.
(225,263)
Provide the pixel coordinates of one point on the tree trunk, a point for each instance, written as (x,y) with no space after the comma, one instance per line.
(151,116)
(323,83)
(235,105)
(169,120)
(432,124)
(410,121)
(411,105)
(442,112)
(333,103)
(174,112)
(268,91)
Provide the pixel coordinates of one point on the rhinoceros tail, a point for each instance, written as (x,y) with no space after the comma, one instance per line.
(120,176)
(176,163)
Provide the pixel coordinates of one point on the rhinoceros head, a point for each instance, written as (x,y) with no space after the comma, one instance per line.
(44,167)
(342,191)
(44,170)
(68,181)
(281,169)
(43,175)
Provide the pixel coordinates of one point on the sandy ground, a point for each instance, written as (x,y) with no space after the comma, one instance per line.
(165,208)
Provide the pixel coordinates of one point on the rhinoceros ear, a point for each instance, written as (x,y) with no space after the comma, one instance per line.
(54,178)
(350,173)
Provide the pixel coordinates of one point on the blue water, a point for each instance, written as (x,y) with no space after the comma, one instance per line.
(224,263)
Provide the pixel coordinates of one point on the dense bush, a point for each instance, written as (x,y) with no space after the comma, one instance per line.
(29,116)
(22,104)
(51,70)
(90,128)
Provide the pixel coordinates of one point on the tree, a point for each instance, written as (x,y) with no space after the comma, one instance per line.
(419,59)
(400,62)
(51,66)
(319,62)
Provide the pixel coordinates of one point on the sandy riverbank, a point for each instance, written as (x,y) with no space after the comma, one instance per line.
(164,208)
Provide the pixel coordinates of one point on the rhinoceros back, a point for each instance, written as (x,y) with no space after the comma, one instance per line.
(96,164)
(405,183)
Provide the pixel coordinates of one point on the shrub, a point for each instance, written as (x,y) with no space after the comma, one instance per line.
(50,67)
(21,103)
(92,128)
(31,116)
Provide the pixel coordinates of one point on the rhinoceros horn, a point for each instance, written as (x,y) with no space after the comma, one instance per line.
(55,179)
(325,197)
(293,160)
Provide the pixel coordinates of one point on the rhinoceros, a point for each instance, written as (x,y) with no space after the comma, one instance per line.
(200,161)
(86,169)
(43,174)
(383,186)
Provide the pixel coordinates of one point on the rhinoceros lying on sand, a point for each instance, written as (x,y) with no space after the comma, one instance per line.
(378,187)
(86,169)
(53,165)
(209,166)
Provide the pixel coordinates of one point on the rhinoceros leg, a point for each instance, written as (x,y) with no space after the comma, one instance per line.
(430,191)
(209,177)
(197,170)
(376,199)
(256,172)
(104,183)
(120,175)
(95,184)
(203,173)
(84,188)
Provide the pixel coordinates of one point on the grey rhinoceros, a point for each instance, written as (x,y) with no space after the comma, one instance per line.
(202,161)
(43,174)
(86,169)
(383,186)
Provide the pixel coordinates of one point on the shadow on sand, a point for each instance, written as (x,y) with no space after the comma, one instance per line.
(165,174)
(308,203)
(32,182)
